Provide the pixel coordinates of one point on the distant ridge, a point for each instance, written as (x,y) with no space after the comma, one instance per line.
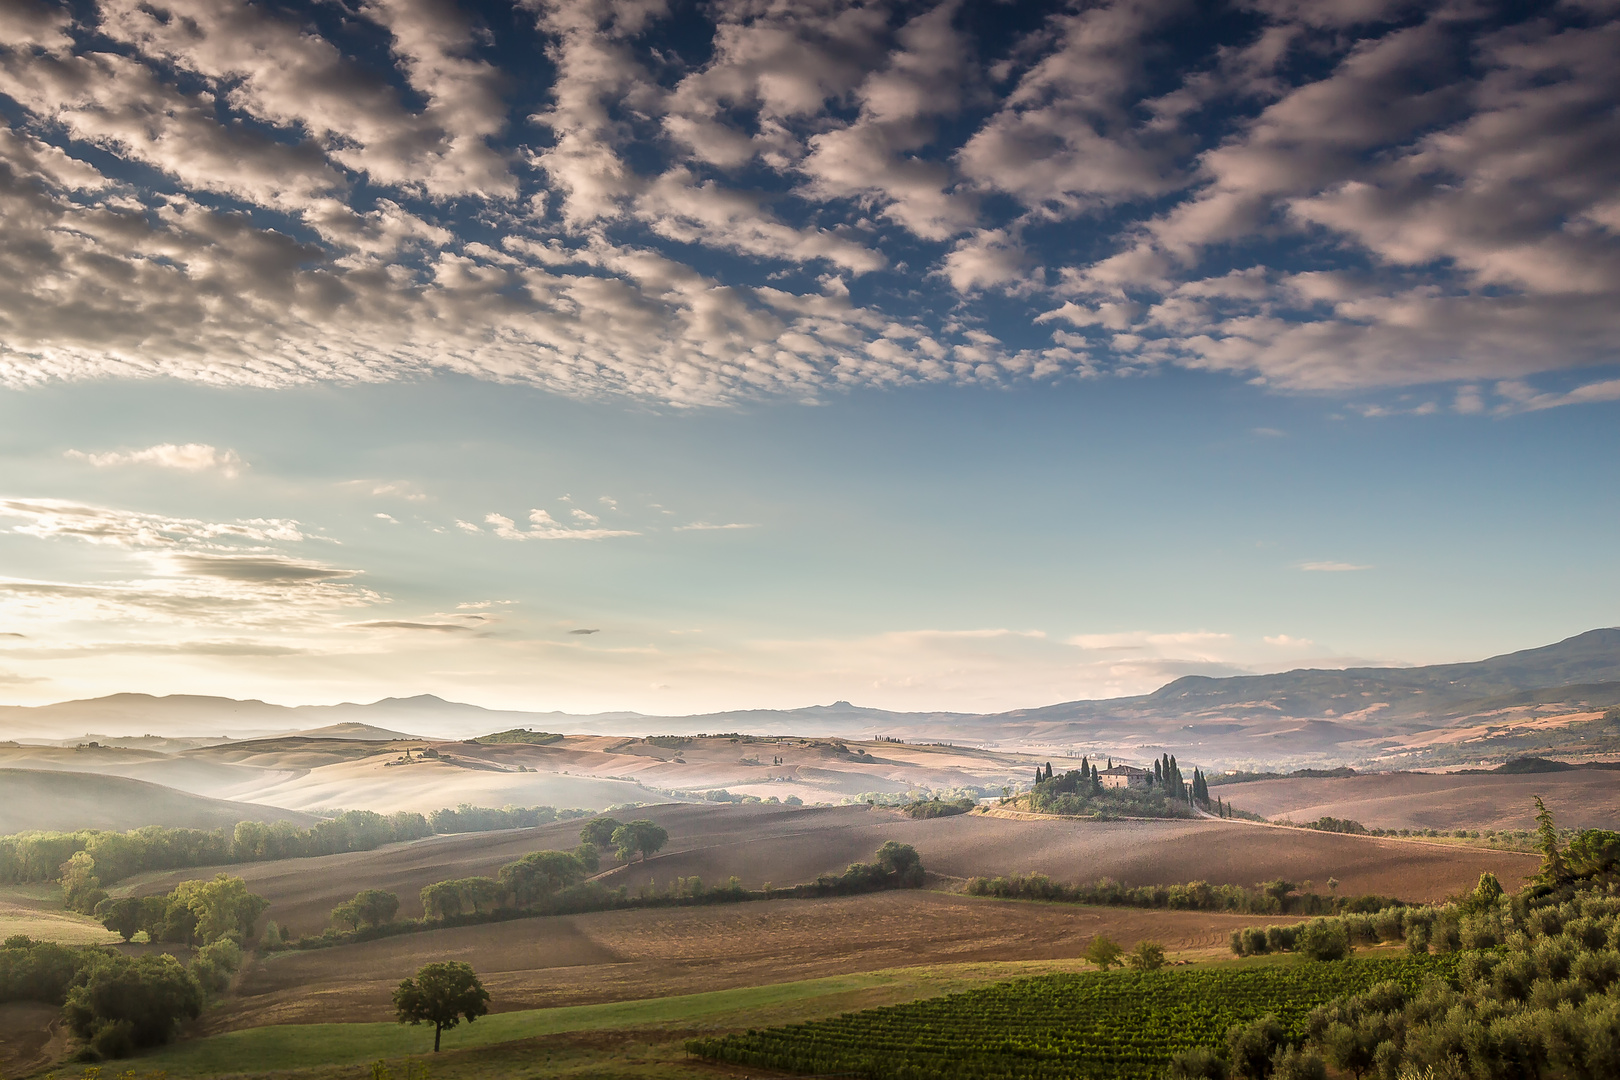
(1318,707)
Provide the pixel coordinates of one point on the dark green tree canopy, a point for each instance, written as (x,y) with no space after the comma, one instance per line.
(599,831)
(639,837)
(442,994)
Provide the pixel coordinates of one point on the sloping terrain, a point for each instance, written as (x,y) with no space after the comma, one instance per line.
(628,955)
(783,846)
(1585,799)
(48,800)
(1307,716)
(591,771)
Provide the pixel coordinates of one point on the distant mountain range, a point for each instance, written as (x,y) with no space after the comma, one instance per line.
(1303,713)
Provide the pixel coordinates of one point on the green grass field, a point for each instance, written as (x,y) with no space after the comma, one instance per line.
(37,911)
(656,1022)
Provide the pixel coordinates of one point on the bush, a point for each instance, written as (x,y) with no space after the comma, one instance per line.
(1147,956)
(1199,1063)
(152,994)
(1324,939)
(114,1040)
(1251,1047)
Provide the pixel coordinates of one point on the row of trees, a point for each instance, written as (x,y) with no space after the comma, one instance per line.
(548,881)
(541,875)
(89,860)
(197,912)
(1267,898)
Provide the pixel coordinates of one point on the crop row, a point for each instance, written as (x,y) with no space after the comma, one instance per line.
(1118,1026)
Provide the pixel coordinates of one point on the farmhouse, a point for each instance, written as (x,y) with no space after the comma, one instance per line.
(1125,776)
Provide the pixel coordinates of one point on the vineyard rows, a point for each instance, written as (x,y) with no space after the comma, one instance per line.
(1098,1026)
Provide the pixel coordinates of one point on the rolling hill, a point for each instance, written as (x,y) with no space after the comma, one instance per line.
(64,801)
(1303,716)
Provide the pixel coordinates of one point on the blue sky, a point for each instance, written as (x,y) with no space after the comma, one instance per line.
(959,356)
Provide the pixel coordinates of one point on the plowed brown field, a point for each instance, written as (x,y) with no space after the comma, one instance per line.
(626,955)
(784,846)
(1584,799)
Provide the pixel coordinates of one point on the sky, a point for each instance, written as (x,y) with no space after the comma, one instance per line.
(633,354)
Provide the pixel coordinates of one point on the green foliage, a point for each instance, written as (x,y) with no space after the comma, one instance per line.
(370,907)
(937,808)
(1104,952)
(1074,794)
(540,875)
(902,862)
(1147,956)
(1553,871)
(150,996)
(442,994)
(223,908)
(1592,852)
(214,965)
(1337,825)
(1113,1026)
(599,831)
(1196,1063)
(465,818)
(1324,939)
(122,916)
(1193,896)
(519,735)
(37,970)
(640,837)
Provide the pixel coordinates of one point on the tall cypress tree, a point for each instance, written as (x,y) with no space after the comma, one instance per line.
(1158,772)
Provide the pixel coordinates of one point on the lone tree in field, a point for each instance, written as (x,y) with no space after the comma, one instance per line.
(639,836)
(441,995)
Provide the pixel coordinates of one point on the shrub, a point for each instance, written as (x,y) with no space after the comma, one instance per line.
(152,994)
(1324,939)
(1199,1063)
(1147,956)
(115,1039)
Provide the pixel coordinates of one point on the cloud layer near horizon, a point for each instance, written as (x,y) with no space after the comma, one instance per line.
(763,197)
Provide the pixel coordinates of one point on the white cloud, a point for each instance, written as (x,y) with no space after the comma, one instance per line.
(189,457)
(1329,567)
(704,526)
(1330,200)
(542,526)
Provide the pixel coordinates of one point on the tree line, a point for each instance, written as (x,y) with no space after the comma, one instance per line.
(556,882)
(1279,897)
(89,860)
